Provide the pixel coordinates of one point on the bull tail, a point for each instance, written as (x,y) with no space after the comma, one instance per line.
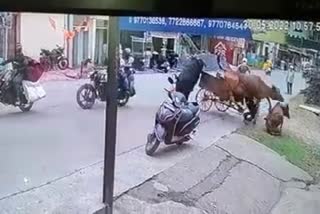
(270,106)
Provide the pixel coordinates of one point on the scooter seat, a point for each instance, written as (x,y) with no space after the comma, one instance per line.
(186,116)
(194,107)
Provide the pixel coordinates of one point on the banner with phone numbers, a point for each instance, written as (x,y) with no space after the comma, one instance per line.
(238,28)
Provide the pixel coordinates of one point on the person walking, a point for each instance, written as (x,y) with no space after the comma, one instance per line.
(290,79)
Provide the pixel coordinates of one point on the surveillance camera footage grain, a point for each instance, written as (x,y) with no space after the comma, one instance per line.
(215,115)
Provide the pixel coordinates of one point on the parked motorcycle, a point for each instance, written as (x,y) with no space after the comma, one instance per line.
(89,92)
(138,63)
(50,59)
(159,63)
(31,91)
(175,121)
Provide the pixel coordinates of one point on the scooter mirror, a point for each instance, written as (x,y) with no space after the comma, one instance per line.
(170,80)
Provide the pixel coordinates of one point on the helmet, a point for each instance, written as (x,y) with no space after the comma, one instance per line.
(244,60)
(127,50)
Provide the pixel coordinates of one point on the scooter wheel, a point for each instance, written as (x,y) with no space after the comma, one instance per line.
(152,144)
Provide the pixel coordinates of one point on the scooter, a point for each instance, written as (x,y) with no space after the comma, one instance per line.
(175,121)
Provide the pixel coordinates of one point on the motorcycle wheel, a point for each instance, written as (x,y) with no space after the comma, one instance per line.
(26,107)
(152,144)
(123,98)
(63,63)
(84,100)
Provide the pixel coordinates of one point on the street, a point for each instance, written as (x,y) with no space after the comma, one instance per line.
(57,137)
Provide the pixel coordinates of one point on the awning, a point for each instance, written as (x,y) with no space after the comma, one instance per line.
(137,39)
(164,35)
(270,36)
(215,27)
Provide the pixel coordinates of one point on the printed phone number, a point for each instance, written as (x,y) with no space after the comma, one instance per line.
(188,22)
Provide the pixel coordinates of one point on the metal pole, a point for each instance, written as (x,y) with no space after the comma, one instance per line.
(111,113)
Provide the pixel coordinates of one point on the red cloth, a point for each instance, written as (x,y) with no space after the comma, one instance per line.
(34,71)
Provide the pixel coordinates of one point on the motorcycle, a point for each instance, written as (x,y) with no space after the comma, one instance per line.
(175,121)
(31,91)
(89,92)
(138,63)
(50,59)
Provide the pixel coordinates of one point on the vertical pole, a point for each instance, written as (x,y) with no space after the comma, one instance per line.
(111,113)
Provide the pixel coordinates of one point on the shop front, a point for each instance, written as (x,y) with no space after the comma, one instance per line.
(232,47)
(9,34)
(189,35)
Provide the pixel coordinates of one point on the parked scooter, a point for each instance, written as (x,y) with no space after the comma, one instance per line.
(175,121)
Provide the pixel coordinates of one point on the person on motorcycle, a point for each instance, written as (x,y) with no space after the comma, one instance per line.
(243,67)
(20,64)
(127,56)
(126,72)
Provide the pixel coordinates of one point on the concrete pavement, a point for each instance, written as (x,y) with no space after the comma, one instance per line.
(235,175)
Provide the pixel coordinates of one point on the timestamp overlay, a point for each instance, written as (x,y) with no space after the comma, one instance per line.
(282,25)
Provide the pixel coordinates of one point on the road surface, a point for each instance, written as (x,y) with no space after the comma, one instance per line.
(57,137)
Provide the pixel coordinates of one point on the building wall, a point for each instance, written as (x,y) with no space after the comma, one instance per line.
(8,35)
(37,32)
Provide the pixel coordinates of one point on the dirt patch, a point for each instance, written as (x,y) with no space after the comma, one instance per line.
(299,142)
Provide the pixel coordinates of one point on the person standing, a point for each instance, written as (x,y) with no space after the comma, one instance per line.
(290,79)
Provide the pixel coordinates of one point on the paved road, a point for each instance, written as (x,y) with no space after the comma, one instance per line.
(278,77)
(58,137)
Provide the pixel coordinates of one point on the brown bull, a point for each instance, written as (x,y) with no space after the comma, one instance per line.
(274,120)
(250,87)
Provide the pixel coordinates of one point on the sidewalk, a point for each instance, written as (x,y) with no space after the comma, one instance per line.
(235,175)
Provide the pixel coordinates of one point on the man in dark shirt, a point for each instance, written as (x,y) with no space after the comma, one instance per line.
(20,66)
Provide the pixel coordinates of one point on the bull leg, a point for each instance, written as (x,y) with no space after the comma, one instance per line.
(280,130)
(232,99)
(256,113)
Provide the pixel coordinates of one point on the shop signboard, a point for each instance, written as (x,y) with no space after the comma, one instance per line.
(238,28)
